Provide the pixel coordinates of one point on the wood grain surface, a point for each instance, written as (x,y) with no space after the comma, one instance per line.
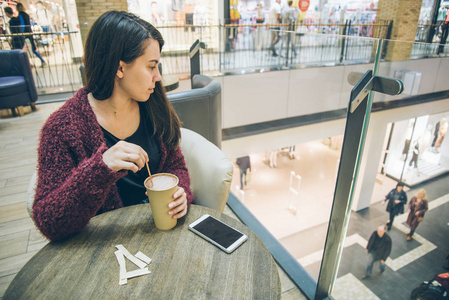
(184,266)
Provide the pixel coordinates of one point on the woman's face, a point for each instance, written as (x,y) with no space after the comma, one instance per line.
(138,79)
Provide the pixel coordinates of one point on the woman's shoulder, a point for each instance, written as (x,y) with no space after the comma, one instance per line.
(71,114)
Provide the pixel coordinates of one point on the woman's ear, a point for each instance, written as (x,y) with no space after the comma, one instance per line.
(120,69)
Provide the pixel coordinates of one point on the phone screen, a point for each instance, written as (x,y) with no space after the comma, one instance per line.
(217,231)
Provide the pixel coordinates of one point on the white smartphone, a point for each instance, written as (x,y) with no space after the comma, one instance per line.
(218,233)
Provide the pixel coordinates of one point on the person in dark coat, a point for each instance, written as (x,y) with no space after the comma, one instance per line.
(26,28)
(244,164)
(417,208)
(17,42)
(378,249)
(397,198)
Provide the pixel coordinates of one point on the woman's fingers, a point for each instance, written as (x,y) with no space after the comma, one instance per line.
(125,156)
(133,153)
(178,208)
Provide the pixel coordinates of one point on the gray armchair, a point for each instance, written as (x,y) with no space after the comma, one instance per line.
(209,168)
(200,108)
(17,86)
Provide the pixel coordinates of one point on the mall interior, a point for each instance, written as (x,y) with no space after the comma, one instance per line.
(292,115)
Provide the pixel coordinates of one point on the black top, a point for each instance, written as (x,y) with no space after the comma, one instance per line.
(381,246)
(244,163)
(395,195)
(26,20)
(130,187)
(14,25)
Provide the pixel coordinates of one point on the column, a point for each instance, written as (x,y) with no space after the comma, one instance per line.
(372,155)
(404,14)
(90,10)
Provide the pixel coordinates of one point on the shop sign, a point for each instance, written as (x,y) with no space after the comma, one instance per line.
(303,5)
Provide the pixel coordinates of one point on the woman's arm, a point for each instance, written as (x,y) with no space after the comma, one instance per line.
(403,197)
(424,208)
(410,206)
(70,189)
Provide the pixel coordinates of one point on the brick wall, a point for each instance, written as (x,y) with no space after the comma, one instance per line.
(405,14)
(90,10)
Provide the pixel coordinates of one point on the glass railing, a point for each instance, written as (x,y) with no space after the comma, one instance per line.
(55,59)
(229,49)
(291,121)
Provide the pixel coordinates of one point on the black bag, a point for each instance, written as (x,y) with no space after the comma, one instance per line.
(430,290)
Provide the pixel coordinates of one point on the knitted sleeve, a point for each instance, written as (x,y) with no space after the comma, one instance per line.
(175,164)
(71,188)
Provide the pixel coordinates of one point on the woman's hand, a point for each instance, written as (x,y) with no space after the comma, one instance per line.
(178,208)
(125,156)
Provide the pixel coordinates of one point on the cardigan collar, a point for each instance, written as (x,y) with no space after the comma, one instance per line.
(85,110)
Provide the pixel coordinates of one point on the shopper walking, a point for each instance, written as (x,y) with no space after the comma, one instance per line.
(275,20)
(417,208)
(244,164)
(26,28)
(397,198)
(378,249)
(289,15)
(17,42)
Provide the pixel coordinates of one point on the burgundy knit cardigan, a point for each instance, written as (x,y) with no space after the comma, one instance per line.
(74,184)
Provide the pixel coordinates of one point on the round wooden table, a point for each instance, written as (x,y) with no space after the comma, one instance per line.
(184,266)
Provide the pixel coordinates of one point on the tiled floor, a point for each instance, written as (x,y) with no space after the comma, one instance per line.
(19,240)
(303,234)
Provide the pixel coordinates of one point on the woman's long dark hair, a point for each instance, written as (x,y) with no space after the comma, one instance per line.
(121,36)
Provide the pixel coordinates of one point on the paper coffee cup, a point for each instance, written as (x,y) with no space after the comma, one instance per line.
(160,193)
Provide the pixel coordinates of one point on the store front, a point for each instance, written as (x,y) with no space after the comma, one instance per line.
(417,149)
(312,10)
(175,12)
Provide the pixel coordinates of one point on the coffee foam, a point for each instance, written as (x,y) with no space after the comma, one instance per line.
(161,182)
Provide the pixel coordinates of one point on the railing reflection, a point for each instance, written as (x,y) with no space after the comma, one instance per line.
(231,48)
(61,54)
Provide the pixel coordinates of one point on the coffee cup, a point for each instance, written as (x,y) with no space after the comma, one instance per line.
(160,191)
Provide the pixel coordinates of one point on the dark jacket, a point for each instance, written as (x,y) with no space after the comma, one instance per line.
(26,20)
(244,163)
(17,42)
(391,197)
(74,184)
(381,246)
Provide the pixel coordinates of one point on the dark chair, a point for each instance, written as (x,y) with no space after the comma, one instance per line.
(17,86)
(200,108)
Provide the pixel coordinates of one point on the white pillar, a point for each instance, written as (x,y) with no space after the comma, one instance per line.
(372,155)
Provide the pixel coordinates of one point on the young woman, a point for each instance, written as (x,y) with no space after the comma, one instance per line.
(417,208)
(93,150)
